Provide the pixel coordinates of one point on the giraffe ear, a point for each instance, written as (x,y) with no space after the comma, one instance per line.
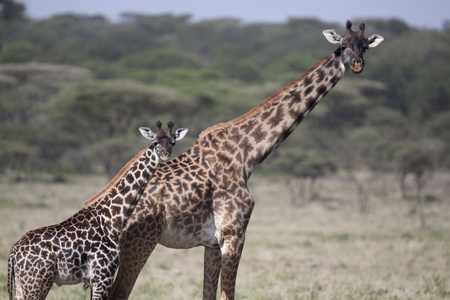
(180,133)
(147,133)
(332,36)
(375,40)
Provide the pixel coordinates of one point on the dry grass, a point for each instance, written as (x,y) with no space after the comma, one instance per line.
(323,249)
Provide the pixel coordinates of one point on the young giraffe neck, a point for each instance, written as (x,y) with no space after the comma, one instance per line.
(120,197)
(260,131)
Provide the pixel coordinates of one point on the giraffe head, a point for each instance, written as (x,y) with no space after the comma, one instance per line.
(352,46)
(163,140)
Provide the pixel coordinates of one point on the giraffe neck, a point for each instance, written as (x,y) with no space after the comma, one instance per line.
(119,200)
(260,131)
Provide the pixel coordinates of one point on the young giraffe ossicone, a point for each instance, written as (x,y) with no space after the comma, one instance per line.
(84,248)
(201,197)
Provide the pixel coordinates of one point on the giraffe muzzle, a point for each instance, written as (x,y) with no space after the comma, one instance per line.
(358,66)
(164,156)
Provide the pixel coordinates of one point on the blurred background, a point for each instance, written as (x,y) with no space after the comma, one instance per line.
(353,205)
(76,80)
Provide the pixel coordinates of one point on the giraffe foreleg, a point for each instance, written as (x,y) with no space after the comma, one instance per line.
(211,271)
(233,214)
(131,263)
(137,242)
(231,255)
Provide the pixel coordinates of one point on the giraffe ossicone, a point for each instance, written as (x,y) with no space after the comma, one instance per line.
(201,198)
(84,248)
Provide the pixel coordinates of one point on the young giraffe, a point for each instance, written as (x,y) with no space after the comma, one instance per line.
(84,248)
(201,198)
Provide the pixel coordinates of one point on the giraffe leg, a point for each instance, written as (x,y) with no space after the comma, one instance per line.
(231,255)
(98,290)
(233,224)
(36,287)
(137,242)
(101,285)
(211,273)
(128,273)
(19,292)
(130,266)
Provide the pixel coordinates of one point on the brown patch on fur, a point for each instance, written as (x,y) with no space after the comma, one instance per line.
(259,107)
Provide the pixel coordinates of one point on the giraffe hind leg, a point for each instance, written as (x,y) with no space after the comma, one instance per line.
(32,281)
(11,285)
(32,289)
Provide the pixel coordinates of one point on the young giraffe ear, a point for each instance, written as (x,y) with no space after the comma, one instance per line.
(332,36)
(147,133)
(375,40)
(180,133)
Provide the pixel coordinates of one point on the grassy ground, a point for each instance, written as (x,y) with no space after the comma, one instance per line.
(322,249)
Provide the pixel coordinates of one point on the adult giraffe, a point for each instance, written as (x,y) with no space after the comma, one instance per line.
(201,198)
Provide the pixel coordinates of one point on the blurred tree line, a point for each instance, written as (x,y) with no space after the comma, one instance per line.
(74,89)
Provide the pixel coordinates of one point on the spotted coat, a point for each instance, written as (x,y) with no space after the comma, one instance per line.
(201,198)
(84,248)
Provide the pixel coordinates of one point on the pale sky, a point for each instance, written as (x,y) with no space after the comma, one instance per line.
(429,14)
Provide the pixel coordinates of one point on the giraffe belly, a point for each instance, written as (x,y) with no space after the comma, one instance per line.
(68,274)
(197,233)
(73,266)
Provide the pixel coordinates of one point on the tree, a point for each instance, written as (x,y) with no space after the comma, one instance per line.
(101,115)
(303,165)
(245,71)
(437,128)
(161,59)
(17,149)
(24,90)
(10,9)
(354,151)
(18,52)
(25,87)
(415,159)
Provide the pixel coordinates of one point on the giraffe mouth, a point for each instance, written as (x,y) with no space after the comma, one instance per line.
(357,68)
(164,158)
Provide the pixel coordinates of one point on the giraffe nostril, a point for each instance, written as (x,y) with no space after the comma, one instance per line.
(357,61)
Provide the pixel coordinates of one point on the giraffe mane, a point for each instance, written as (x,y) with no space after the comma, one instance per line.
(221,126)
(115,180)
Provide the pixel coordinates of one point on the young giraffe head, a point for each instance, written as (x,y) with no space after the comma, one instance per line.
(164,141)
(352,46)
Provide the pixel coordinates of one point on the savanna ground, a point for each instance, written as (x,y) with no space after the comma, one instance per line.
(321,249)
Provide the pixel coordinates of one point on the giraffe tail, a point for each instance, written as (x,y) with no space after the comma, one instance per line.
(11,263)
